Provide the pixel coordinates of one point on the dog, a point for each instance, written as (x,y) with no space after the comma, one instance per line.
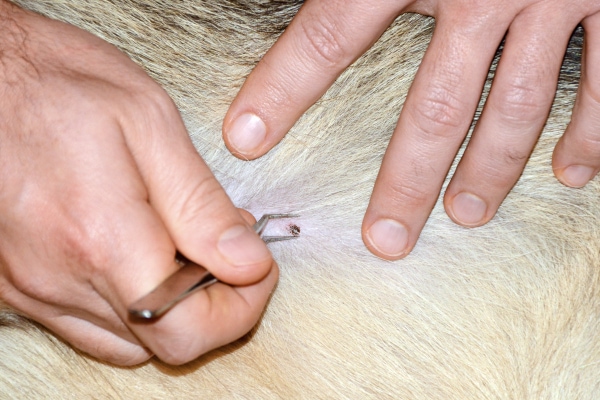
(508,310)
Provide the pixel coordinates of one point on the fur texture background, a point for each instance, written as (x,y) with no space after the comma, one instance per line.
(510,310)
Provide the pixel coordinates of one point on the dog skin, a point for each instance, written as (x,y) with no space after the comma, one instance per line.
(507,310)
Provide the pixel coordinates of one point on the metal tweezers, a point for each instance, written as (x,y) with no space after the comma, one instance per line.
(191,278)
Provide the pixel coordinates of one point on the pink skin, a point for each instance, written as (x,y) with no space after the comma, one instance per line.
(100,185)
(328,35)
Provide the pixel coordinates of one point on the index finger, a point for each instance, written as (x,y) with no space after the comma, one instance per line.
(323,39)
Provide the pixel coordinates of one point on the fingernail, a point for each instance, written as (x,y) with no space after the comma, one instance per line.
(241,246)
(577,175)
(468,209)
(389,237)
(247,133)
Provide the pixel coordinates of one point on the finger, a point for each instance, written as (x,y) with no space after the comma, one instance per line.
(323,39)
(249,218)
(82,333)
(200,218)
(514,115)
(576,157)
(207,320)
(81,303)
(436,116)
(98,342)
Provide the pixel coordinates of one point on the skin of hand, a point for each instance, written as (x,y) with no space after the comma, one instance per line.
(326,36)
(100,185)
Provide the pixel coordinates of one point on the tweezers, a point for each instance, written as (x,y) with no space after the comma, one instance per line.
(191,277)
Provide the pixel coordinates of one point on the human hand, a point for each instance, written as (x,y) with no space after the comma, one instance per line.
(100,185)
(328,35)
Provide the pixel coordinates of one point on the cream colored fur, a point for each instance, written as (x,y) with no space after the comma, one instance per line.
(507,311)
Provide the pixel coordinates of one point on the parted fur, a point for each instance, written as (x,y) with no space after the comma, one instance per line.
(510,310)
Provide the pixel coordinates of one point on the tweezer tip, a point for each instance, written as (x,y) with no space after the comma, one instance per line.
(271,239)
(276,216)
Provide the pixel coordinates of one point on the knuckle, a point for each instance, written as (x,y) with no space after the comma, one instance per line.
(124,355)
(591,143)
(74,244)
(495,175)
(587,146)
(176,349)
(101,343)
(497,170)
(515,156)
(84,246)
(88,240)
(156,102)
(282,94)
(197,200)
(126,358)
(34,286)
(591,94)
(520,104)
(410,196)
(152,102)
(438,115)
(325,43)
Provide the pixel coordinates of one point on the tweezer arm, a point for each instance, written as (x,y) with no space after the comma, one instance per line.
(188,279)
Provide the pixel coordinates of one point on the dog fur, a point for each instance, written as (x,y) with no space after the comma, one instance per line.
(506,311)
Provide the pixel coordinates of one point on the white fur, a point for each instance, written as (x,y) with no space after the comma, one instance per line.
(509,310)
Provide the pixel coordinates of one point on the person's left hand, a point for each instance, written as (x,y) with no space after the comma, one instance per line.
(328,35)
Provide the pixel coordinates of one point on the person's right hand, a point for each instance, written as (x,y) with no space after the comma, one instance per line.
(100,185)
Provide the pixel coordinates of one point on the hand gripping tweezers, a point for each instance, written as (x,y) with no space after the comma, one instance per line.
(191,278)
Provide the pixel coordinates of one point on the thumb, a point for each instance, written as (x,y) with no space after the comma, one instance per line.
(199,216)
